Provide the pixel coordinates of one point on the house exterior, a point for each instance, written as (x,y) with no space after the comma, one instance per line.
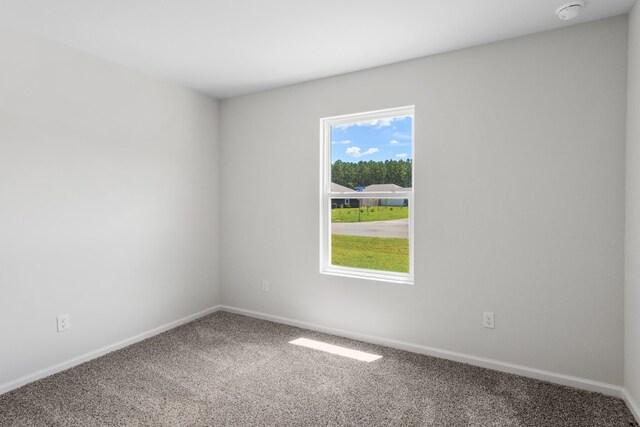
(346,202)
(355,202)
(387,188)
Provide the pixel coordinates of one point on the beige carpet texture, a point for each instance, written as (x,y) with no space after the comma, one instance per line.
(231,370)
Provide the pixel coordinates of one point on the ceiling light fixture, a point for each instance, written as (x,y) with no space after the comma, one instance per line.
(570,10)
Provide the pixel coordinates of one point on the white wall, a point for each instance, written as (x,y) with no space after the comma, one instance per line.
(519,201)
(632,250)
(108,203)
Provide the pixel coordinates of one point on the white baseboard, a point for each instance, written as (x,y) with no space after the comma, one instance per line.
(101,351)
(538,374)
(632,404)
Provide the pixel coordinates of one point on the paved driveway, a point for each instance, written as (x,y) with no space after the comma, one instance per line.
(398,228)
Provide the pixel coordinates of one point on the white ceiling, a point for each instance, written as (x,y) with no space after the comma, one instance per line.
(226,48)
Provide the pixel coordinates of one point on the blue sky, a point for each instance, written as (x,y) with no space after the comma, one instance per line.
(377,140)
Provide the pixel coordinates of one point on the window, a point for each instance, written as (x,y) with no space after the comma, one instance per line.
(366,221)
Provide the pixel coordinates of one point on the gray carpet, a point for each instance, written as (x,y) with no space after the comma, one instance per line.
(226,369)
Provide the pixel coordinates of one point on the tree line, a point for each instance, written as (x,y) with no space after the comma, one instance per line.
(363,174)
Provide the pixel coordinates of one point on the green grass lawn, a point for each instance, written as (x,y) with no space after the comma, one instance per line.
(374,253)
(380,213)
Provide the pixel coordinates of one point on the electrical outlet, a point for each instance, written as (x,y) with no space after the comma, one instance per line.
(265,286)
(488,320)
(63,322)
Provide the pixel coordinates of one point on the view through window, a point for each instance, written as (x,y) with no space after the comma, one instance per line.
(368,195)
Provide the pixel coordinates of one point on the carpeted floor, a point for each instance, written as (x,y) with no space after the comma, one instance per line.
(226,369)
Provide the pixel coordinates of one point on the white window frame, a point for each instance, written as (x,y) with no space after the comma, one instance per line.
(326,195)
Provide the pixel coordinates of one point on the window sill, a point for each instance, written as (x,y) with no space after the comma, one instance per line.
(380,276)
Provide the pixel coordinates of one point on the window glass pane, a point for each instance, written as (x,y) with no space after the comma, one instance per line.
(372,155)
(370,233)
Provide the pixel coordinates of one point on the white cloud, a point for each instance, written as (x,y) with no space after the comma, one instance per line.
(402,155)
(346,141)
(393,142)
(382,122)
(357,151)
(401,135)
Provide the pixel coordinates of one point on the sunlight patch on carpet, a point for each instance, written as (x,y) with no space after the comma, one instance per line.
(336,349)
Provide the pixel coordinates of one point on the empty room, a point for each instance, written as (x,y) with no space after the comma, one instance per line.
(320,213)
